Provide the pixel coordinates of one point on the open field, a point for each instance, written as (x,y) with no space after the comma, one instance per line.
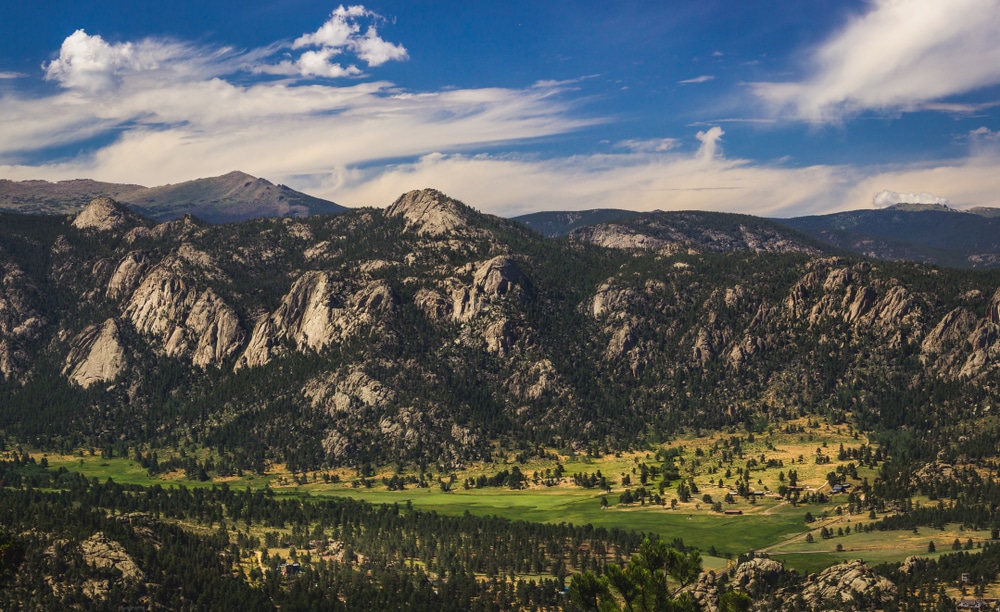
(713,464)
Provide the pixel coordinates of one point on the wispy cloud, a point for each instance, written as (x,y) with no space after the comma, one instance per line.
(730,120)
(902,55)
(511,185)
(648,145)
(698,79)
(12,75)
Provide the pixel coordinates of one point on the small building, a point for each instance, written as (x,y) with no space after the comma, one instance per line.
(733,512)
(971,604)
(289,569)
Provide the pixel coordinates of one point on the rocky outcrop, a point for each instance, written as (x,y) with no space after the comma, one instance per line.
(756,575)
(104,215)
(192,324)
(984,342)
(498,276)
(692,231)
(348,392)
(96,355)
(622,341)
(500,336)
(20,322)
(614,236)
(128,273)
(318,311)
(851,583)
(610,299)
(539,380)
(101,552)
(429,212)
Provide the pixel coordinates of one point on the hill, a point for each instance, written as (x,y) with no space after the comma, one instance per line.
(554,223)
(235,196)
(932,234)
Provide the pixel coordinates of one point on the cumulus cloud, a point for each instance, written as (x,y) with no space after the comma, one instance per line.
(902,55)
(698,79)
(342,33)
(886,198)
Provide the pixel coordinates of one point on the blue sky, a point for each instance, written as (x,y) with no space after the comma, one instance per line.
(788,109)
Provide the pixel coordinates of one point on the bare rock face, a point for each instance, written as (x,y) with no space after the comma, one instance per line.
(434,305)
(858,302)
(20,323)
(500,336)
(317,311)
(211,331)
(198,325)
(341,392)
(611,299)
(104,215)
(705,592)
(984,342)
(844,583)
(756,574)
(96,355)
(612,236)
(993,316)
(623,341)
(497,276)
(101,552)
(704,347)
(429,212)
(128,273)
(943,348)
(537,381)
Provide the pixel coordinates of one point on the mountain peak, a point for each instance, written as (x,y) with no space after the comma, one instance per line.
(104,214)
(428,212)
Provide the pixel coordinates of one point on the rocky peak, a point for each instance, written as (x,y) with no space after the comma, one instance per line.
(429,212)
(104,214)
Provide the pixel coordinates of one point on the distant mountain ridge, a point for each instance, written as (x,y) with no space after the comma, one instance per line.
(925,233)
(928,233)
(235,196)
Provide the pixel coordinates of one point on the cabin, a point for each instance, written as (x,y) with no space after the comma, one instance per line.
(733,512)
(971,604)
(290,569)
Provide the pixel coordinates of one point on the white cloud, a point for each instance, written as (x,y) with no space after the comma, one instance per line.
(709,142)
(648,145)
(698,79)
(12,75)
(342,32)
(513,185)
(886,198)
(902,55)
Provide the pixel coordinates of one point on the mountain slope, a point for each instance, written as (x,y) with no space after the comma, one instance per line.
(932,234)
(701,231)
(231,197)
(554,223)
(431,333)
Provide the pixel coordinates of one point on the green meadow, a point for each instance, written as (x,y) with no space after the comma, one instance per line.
(771,524)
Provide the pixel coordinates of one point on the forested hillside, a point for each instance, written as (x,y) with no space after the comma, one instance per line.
(430,333)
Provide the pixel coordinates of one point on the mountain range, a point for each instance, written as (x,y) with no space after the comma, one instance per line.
(235,196)
(931,234)
(430,332)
